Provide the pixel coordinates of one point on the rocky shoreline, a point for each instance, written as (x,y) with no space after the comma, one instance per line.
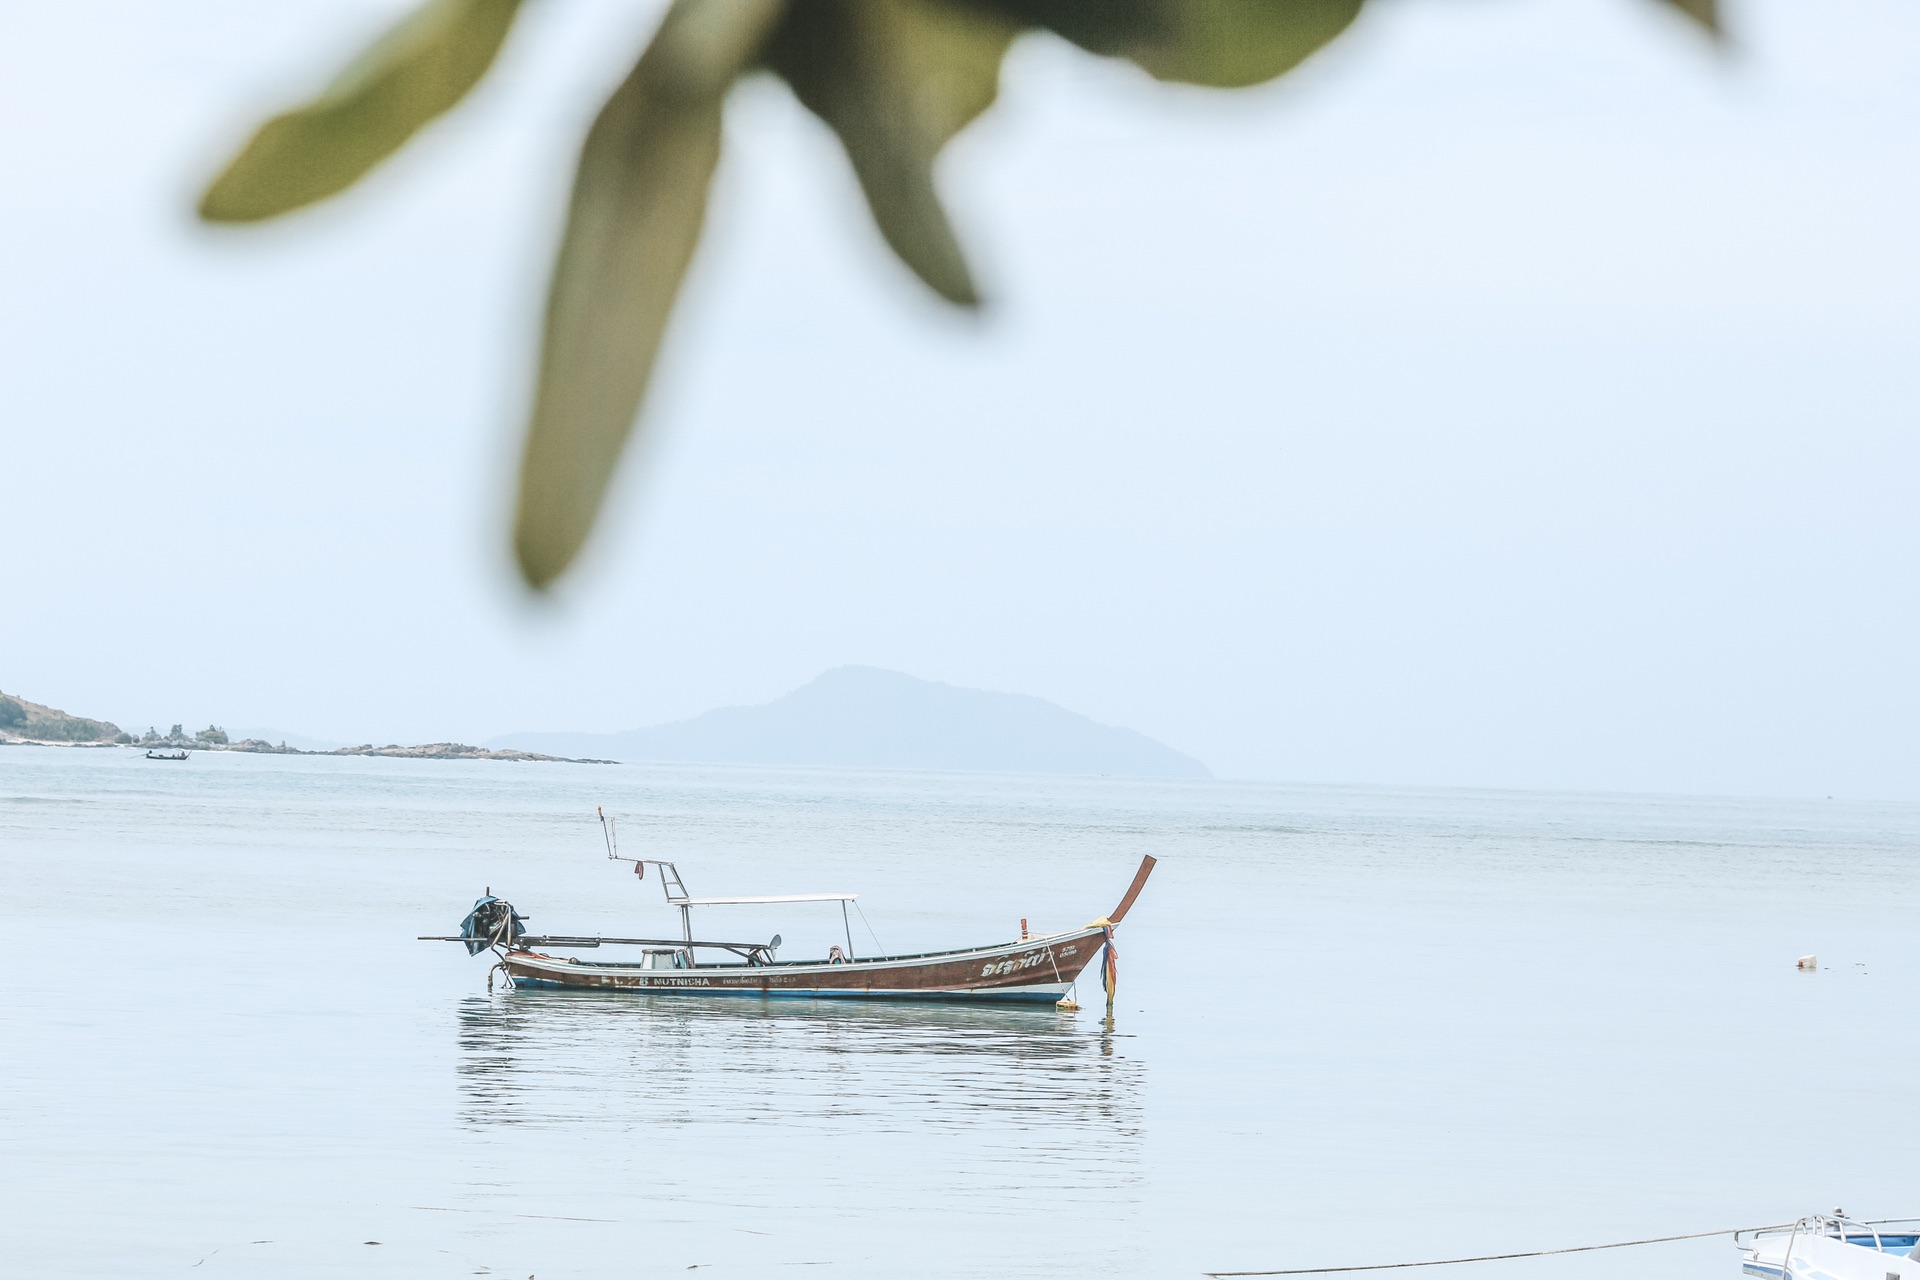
(254,746)
(24,723)
(440,751)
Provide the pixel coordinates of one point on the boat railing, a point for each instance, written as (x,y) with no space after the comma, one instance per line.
(1835,1226)
(670,882)
(754,953)
(677,896)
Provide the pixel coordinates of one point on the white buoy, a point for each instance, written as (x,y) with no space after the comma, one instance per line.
(1807,963)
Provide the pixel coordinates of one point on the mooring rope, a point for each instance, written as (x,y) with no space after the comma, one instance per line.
(877,945)
(1497,1257)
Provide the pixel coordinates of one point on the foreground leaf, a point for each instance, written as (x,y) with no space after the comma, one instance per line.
(414,73)
(1704,12)
(1224,43)
(896,80)
(639,198)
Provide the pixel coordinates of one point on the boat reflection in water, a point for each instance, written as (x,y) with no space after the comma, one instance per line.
(896,1106)
(559,1058)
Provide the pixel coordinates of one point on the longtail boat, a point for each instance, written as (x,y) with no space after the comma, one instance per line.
(1038,969)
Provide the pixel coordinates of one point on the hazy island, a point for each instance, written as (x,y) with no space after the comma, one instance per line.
(870,718)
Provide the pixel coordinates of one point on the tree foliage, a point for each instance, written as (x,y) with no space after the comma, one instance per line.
(894,79)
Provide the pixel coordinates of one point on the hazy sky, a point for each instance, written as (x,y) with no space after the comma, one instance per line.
(1520,396)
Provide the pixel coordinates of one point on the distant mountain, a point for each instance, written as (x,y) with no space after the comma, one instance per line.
(864,717)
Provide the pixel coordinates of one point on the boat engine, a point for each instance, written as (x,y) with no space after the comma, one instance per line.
(492,923)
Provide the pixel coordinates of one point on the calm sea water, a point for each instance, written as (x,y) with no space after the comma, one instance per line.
(1353,1026)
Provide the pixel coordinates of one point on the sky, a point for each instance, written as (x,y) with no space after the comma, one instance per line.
(1519,395)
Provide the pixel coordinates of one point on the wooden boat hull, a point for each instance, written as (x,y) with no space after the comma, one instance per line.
(1033,970)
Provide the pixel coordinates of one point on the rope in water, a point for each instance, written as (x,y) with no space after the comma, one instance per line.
(1492,1257)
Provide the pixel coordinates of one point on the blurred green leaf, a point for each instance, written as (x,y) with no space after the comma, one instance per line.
(896,80)
(1224,43)
(415,72)
(639,197)
(1704,12)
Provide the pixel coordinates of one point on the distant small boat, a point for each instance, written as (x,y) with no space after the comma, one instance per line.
(1831,1246)
(1038,969)
(167,755)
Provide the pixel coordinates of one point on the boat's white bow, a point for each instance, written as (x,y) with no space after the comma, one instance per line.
(1832,1247)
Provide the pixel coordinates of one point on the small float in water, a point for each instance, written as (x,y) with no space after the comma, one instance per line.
(1831,1246)
(1029,970)
(166,755)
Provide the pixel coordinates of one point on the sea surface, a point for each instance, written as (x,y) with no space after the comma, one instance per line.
(1352,1026)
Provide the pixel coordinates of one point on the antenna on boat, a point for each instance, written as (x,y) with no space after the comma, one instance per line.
(608,834)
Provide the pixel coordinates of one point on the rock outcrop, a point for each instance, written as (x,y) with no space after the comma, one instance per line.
(450,751)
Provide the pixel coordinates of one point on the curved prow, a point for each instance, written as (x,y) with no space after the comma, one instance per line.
(1133,890)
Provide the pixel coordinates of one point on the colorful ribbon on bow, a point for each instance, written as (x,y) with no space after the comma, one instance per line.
(1109,966)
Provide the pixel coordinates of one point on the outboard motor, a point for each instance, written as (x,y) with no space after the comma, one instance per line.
(492,923)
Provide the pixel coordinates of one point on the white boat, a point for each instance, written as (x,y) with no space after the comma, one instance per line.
(1832,1246)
